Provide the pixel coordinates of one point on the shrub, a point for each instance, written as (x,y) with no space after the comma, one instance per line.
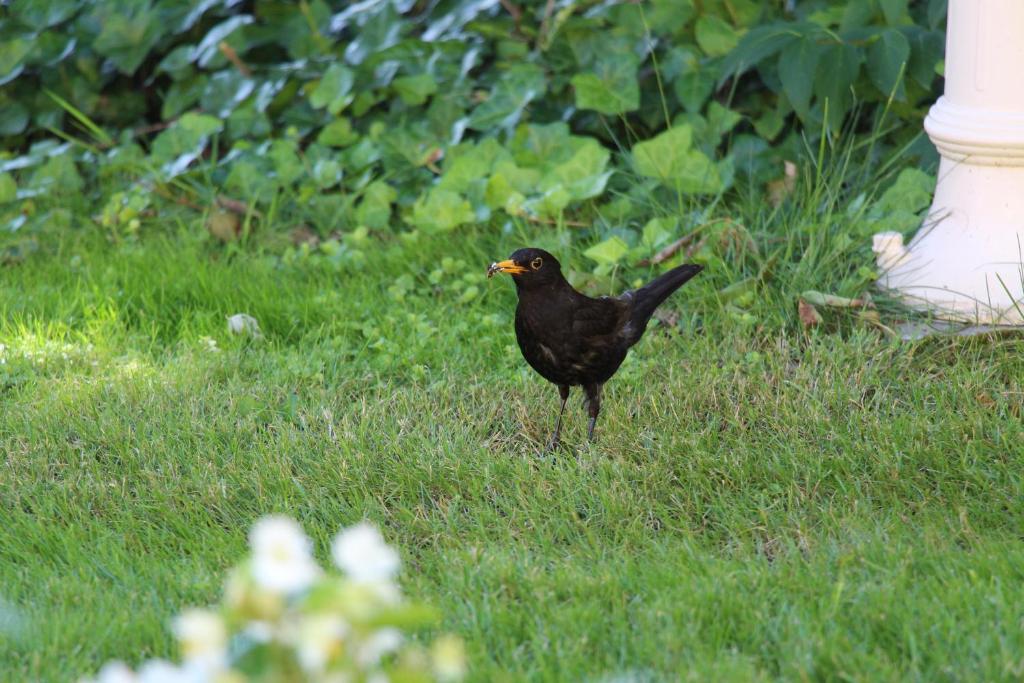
(283,618)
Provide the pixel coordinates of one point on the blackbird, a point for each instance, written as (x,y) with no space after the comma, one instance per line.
(572,339)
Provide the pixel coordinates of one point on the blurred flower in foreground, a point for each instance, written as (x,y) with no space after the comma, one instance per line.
(203,639)
(361,552)
(115,672)
(449,658)
(282,555)
(284,619)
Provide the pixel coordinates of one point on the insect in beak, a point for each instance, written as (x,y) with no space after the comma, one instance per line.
(509,266)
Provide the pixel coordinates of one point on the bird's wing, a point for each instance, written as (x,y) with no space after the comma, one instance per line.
(598,317)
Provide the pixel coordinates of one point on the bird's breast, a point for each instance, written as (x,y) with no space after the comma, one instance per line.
(542,339)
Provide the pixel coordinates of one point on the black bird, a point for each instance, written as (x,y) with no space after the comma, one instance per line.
(572,339)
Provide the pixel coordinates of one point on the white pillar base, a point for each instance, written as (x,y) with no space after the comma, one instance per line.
(965,263)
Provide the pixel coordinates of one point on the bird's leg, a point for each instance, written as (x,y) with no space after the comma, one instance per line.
(593,407)
(563,391)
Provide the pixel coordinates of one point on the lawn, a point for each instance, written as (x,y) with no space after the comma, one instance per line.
(763,502)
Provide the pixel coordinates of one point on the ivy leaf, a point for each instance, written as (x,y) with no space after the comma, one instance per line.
(334,89)
(326,173)
(181,144)
(936,13)
(583,175)
(248,121)
(516,88)
(857,14)
(657,232)
(769,124)
(468,164)
(248,179)
(911,192)
(12,52)
(742,12)
(611,88)
(225,91)
(52,48)
(549,204)
(757,45)
(650,158)
(498,191)
(287,165)
(178,63)
(608,252)
(374,210)
(209,46)
(127,37)
(927,49)
(670,16)
(886,59)
(381,27)
(441,210)
(182,95)
(535,143)
(59,175)
(13,117)
(720,121)
(895,11)
(798,65)
(833,85)
(523,180)
(40,14)
(361,154)
(415,90)
(669,158)
(695,81)
(338,133)
(715,36)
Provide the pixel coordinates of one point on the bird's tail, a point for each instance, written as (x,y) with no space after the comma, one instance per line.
(650,296)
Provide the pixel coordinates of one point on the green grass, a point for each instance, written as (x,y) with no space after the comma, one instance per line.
(761,503)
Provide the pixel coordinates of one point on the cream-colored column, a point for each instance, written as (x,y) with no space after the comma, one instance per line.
(965,263)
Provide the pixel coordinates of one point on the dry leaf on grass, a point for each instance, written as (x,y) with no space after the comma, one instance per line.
(809,315)
(779,189)
(223,225)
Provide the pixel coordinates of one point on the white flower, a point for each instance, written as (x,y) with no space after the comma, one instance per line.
(203,638)
(360,551)
(282,557)
(162,671)
(115,672)
(381,642)
(319,639)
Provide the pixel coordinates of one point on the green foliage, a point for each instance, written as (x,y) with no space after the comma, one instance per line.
(903,206)
(435,115)
(669,157)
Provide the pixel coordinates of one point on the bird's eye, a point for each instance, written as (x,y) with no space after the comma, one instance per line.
(537,263)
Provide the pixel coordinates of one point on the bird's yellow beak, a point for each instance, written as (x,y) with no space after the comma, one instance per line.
(509,266)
